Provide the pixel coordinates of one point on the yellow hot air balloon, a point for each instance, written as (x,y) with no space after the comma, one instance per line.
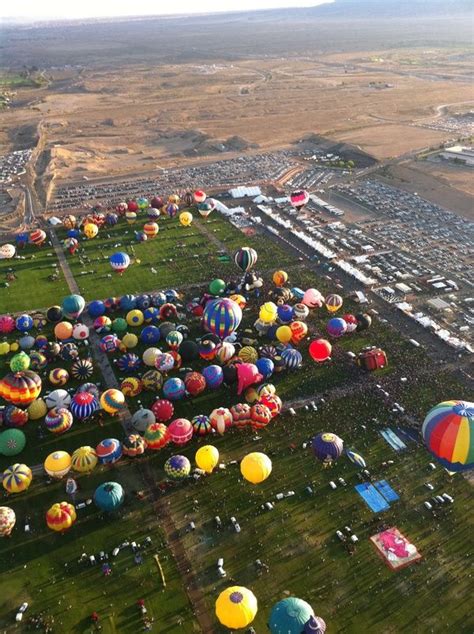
(186,218)
(57,464)
(37,409)
(256,467)
(112,401)
(236,607)
(268,312)
(134,317)
(130,340)
(207,458)
(90,230)
(284,334)
(4,348)
(280,278)
(248,354)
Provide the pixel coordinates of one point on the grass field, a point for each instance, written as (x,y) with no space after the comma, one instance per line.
(354,593)
(31,289)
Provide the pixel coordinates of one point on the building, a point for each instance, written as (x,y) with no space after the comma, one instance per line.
(459,154)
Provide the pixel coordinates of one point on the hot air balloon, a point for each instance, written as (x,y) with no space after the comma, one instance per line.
(90,230)
(151,229)
(201,425)
(73,305)
(83,405)
(185,218)
(171,209)
(37,237)
(195,383)
(84,459)
(130,217)
(7,520)
(221,419)
(180,431)
(327,447)
(245,258)
(21,388)
(206,207)
(312,298)
(120,262)
(256,467)
(320,350)
(280,278)
(289,616)
(109,496)
(17,478)
(12,442)
(58,398)
(133,445)
(157,436)
(131,386)
(241,414)
(448,431)
(236,607)
(7,324)
(112,401)
(222,316)
(174,389)
(336,327)
(199,196)
(372,359)
(58,376)
(109,451)
(163,410)
(333,303)
(61,516)
(20,362)
(71,244)
(141,419)
(299,198)
(356,458)
(59,420)
(82,369)
(177,467)
(58,464)
(7,251)
(207,458)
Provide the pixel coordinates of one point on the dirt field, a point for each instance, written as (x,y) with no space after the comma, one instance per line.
(133,119)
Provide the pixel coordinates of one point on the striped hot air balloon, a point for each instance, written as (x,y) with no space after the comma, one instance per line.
(448,432)
(222,316)
(245,258)
(17,478)
(84,459)
(21,388)
(356,458)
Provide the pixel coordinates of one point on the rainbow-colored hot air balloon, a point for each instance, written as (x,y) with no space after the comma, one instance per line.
(222,316)
(448,432)
(21,388)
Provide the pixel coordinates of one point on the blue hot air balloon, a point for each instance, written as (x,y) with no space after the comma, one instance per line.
(73,305)
(109,496)
(119,261)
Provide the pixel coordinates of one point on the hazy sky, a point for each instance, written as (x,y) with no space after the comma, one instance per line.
(101,8)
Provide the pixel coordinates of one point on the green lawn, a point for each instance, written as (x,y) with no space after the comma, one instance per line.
(31,289)
(357,593)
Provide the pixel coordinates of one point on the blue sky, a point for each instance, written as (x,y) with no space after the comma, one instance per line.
(45,9)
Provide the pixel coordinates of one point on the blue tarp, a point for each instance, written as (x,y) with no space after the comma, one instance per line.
(372,497)
(392,439)
(386,490)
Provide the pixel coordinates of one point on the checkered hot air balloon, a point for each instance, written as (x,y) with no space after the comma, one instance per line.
(177,467)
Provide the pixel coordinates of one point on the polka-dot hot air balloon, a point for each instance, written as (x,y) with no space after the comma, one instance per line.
(448,432)
(61,516)
(7,520)
(17,478)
